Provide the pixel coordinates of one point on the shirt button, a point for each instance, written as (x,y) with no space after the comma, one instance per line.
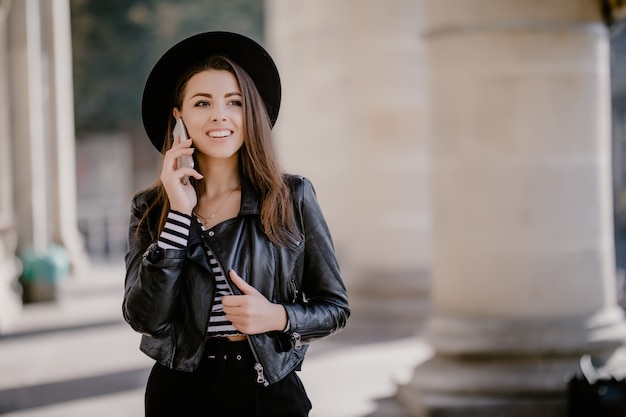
(211,233)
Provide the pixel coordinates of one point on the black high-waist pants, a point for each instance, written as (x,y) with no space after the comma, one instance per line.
(224,385)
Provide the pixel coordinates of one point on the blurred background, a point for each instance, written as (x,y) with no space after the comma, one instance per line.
(469,156)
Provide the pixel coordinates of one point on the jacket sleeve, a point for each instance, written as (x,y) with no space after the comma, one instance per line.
(152,276)
(323,309)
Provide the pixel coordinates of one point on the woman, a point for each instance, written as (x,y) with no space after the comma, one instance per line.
(231,270)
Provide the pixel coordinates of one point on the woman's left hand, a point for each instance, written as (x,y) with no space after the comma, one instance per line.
(251,312)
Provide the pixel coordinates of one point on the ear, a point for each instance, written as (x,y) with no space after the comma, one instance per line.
(176,113)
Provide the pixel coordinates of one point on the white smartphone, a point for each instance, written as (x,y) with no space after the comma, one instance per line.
(185,160)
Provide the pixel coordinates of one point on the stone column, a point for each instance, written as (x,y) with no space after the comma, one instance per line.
(10,303)
(30,147)
(523,264)
(63,207)
(354,120)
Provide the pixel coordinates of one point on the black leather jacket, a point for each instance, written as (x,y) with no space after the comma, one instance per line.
(169,293)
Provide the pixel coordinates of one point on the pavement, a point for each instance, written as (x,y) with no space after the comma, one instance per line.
(76,357)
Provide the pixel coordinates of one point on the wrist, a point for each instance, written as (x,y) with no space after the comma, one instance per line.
(282,319)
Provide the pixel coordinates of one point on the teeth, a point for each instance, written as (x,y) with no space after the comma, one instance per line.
(219,133)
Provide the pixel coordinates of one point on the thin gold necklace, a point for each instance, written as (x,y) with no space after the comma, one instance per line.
(205,220)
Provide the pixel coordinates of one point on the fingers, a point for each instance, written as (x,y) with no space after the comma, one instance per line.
(190,172)
(252,312)
(180,192)
(245,288)
(240,308)
(171,170)
(178,150)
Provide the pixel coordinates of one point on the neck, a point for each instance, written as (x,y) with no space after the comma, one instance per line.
(220,176)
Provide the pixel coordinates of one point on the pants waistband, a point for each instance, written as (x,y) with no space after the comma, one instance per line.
(222,355)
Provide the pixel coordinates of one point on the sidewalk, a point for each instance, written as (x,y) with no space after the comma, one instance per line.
(78,357)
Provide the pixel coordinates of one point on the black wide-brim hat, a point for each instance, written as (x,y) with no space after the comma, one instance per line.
(158,94)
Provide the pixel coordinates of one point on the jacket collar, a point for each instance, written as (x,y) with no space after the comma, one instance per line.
(250,199)
(250,205)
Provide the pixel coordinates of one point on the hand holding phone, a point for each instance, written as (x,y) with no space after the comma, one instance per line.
(184,160)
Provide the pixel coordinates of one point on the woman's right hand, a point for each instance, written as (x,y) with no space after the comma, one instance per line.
(182,196)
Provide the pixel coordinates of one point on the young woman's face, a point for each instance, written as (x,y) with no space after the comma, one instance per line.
(213,114)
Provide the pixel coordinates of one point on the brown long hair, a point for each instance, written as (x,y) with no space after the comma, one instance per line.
(257,157)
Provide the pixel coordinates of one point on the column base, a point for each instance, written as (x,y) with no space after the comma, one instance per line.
(452,406)
(488,386)
(506,368)
(10,298)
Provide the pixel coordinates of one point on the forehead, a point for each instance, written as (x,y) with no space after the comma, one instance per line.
(212,81)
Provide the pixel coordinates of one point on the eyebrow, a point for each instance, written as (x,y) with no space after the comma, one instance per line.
(234,93)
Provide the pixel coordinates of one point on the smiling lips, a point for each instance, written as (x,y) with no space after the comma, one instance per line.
(218,134)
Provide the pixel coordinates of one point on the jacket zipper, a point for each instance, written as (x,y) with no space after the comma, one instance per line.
(173,349)
(258,367)
(260,378)
(298,343)
(297,340)
(296,241)
(294,290)
(260,372)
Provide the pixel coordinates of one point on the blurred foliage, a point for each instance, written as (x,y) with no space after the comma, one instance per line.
(116,42)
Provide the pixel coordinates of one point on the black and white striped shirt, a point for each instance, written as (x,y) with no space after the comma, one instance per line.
(175,235)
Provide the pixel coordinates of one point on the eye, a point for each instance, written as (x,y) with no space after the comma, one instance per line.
(237,103)
(201,103)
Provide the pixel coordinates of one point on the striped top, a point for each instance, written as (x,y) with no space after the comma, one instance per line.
(175,235)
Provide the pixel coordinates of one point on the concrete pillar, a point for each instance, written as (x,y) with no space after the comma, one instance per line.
(58,72)
(523,268)
(354,120)
(10,302)
(42,113)
(6,189)
(29,135)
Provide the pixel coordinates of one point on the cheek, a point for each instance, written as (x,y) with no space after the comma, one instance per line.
(237,116)
(193,122)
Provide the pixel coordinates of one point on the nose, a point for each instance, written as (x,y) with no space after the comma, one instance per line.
(218,114)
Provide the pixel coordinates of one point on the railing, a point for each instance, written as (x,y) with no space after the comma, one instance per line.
(104,231)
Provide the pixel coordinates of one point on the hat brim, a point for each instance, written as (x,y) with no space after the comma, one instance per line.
(157,99)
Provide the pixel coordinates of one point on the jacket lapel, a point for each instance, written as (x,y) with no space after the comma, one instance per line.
(196,251)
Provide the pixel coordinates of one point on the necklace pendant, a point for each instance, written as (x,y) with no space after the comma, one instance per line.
(205,220)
